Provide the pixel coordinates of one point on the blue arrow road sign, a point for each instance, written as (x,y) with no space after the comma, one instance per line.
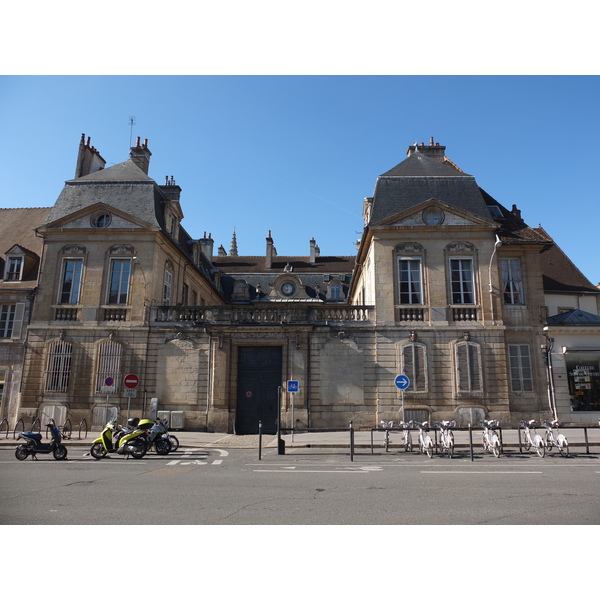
(402,382)
(293,386)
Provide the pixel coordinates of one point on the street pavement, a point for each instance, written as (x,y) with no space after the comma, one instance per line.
(588,440)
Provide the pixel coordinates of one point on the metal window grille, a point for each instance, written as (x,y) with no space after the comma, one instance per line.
(58,371)
(110,354)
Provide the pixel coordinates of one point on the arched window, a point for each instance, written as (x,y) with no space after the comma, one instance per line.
(110,354)
(414,366)
(58,370)
(468,367)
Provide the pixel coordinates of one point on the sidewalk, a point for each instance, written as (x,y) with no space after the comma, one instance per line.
(327,439)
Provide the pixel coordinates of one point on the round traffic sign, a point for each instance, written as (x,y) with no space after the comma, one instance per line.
(109,382)
(131,381)
(402,382)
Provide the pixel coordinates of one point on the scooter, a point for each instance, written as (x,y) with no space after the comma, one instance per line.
(122,440)
(34,445)
(158,438)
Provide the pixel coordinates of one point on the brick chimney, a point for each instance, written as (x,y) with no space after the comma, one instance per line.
(140,155)
(88,159)
(434,150)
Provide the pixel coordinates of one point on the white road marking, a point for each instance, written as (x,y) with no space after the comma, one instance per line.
(483,472)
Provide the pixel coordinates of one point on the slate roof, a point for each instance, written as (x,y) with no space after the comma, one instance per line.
(420,178)
(124,187)
(313,276)
(575,317)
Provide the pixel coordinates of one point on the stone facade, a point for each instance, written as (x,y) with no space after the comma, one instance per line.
(446,287)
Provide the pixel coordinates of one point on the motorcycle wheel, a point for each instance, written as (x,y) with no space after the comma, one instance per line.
(138,449)
(21,453)
(163,446)
(174,443)
(60,452)
(98,451)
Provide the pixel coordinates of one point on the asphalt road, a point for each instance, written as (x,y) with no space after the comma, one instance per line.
(307,486)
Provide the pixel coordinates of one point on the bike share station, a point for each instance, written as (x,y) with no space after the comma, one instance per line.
(402,382)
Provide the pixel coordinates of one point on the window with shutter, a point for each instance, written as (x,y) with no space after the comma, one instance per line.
(521,373)
(468,367)
(414,366)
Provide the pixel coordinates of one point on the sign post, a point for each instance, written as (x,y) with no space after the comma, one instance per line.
(293,387)
(402,382)
(130,382)
(108,387)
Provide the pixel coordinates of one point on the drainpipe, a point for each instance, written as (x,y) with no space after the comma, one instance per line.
(491,289)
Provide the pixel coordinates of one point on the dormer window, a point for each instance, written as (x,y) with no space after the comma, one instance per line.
(14,268)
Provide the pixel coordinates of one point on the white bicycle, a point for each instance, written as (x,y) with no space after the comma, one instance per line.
(387,425)
(447,437)
(490,438)
(425,442)
(558,439)
(536,440)
(407,437)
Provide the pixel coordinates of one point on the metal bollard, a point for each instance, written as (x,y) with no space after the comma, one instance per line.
(471,440)
(351,442)
(260,440)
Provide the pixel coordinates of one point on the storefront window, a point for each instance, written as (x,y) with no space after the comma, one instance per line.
(584,384)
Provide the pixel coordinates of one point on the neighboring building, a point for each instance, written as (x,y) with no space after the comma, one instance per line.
(19,267)
(572,345)
(446,287)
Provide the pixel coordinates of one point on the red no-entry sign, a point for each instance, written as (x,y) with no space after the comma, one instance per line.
(131,381)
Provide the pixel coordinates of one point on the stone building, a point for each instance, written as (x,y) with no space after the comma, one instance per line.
(446,287)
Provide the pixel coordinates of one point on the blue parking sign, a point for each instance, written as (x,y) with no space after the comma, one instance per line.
(293,386)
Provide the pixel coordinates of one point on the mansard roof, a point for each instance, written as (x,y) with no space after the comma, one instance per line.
(124,187)
(420,178)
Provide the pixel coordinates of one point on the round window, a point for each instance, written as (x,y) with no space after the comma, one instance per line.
(101,220)
(433,216)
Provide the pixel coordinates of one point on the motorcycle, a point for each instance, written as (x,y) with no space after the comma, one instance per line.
(158,438)
(172,439)
(122,440)
(34,445)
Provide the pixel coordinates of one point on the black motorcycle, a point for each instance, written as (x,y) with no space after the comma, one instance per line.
(33,444)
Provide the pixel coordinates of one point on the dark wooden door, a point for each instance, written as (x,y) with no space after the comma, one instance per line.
(259,378)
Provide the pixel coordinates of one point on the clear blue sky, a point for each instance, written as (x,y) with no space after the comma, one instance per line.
(297,154)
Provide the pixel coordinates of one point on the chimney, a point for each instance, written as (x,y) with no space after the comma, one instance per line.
(434,150)
(88,159)
(315,252)
(171,190)
(140,155)
(206,245)
(271,252)
(515,211)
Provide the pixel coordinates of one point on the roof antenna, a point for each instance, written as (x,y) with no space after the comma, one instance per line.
(131,124)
